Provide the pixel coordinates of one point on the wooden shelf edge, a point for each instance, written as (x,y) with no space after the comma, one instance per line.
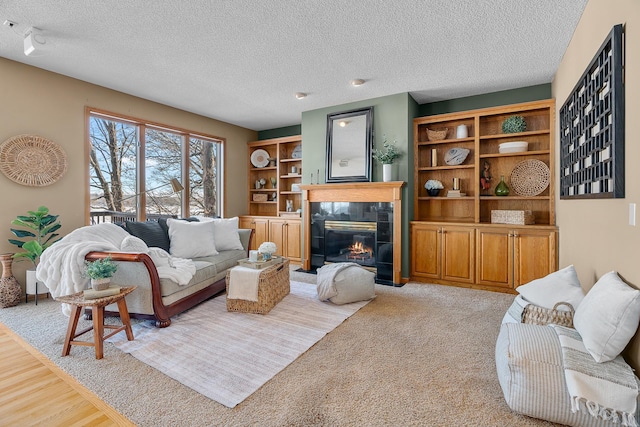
(440,168)
(448,141)
(470,198)
(266,168)
(516,135)
(545,198)
(524,153)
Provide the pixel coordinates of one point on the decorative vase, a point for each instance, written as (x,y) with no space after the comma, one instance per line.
(266,256)
(387,172)
(502,189)
(10,291)
(433,192)
(461,131)
(100,284)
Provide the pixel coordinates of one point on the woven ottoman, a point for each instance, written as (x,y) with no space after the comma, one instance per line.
(345,282)
(273,286)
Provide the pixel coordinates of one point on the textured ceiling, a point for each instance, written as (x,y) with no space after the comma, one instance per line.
(241,61)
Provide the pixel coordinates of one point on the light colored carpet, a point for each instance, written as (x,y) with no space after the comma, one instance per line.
(227,356)
(419,355)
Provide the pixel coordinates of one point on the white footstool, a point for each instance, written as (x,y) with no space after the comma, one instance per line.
(345,282)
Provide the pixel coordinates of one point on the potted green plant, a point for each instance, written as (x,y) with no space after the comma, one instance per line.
(387,155)
(514,124)
(40,233)
(100,272)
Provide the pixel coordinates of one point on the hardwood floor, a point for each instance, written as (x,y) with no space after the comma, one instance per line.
(35,392)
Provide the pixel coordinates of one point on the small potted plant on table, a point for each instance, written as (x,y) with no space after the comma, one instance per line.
(100,272)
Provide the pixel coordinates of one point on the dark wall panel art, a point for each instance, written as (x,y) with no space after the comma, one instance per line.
(592,127)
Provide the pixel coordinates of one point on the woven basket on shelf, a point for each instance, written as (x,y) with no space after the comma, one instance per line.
(543,316)
(436,135)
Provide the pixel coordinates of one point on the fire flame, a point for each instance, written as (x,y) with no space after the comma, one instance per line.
(359,249)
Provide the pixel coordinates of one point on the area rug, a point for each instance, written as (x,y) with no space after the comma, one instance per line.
(227,356)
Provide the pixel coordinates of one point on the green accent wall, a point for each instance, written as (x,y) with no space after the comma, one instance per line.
(279,132)
(392,116)
(494,99)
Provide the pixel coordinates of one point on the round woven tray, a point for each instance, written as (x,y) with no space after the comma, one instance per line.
(32,160)
(530,177)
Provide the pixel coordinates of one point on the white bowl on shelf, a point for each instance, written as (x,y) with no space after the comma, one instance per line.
(513,147)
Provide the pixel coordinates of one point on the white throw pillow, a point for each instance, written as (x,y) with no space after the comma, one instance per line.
(226,234)
(562,285)
(608,317)
(134,244)
(191,239)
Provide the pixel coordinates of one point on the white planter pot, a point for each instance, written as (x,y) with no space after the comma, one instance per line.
(387,172)
(100,284)
(34,286)
(461,131)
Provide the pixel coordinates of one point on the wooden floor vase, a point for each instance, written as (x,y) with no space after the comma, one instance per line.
(10,291)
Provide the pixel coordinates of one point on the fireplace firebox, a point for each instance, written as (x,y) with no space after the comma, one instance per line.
(360,232)
(350,241)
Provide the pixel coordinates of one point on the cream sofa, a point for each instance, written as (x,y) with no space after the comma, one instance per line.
(160,299)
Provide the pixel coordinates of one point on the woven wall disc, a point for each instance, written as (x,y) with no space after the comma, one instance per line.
(32,160)
(530,177)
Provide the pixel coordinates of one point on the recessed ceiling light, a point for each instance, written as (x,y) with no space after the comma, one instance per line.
(357,82)
(300,95)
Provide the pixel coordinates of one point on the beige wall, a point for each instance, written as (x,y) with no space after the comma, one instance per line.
(595,235)
(39,102)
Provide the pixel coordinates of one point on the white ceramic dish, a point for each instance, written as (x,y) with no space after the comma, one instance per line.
(513,147)
(260,158)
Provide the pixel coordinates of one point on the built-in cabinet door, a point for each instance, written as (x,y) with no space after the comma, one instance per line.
(260,227)
(277,235)
(294,240)
(425,247)
(285,233)
(534,255)
(495,257)
(458,256)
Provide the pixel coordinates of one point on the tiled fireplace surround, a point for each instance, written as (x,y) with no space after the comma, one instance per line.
(364,215)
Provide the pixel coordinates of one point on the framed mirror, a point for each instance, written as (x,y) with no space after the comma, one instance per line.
(349,142)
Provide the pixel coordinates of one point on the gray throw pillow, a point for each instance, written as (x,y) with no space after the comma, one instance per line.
(151,232)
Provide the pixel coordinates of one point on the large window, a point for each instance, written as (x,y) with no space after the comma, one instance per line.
(140,170)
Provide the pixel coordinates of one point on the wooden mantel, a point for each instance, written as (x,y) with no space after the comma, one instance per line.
(355,192)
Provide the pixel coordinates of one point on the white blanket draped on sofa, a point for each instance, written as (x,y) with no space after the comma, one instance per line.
(61,266)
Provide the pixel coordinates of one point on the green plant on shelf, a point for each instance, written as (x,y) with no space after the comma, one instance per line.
(514,124)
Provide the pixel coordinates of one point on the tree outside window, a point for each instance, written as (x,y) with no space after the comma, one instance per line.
(115,170)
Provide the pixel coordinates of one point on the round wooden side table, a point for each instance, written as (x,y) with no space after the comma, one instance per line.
(77,302)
